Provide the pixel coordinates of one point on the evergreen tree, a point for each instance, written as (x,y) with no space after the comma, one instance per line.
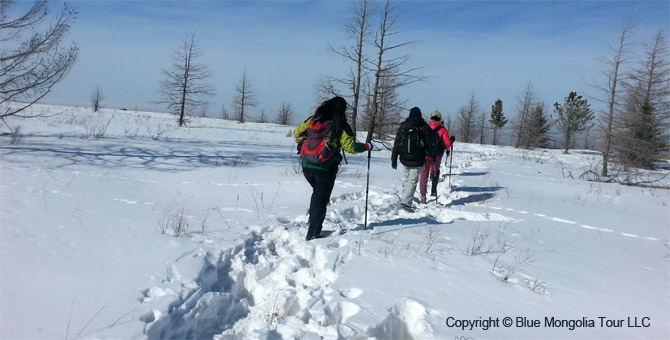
(573,116)
(538,127)
(646,110)
(644,144)
(498,119)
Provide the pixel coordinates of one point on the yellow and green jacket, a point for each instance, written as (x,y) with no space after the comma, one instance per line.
(346,142)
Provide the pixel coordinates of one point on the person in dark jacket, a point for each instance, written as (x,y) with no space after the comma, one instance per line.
(321,177)
(412,166)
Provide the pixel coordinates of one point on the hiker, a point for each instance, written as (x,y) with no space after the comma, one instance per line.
(321,139)
(411,144)
(432,165)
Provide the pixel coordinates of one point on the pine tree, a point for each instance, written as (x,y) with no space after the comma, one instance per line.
(498,119)
(646,110)
(644,144)
(538,127)
(574,116)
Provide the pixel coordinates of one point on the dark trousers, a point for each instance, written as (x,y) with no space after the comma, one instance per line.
(322,182)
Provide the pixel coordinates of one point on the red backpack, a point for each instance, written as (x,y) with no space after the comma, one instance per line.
(316,148)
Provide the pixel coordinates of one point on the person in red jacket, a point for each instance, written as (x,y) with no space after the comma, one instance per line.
(432,165)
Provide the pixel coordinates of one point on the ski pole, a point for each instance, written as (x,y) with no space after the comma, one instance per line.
(451,158)
(367,188)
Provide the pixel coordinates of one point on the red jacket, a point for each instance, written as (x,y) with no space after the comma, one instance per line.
(442,133)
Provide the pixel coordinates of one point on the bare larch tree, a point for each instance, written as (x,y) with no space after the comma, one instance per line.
(285,115)
(245,97)
(388,65)
(466,119)
(525,106)
(357,30)
(390,107)
(97,96)
(32,61)
(183,88)
(613,74)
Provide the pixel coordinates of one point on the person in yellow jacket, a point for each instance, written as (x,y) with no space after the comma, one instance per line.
(321,138)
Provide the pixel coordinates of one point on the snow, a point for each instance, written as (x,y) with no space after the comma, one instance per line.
(89,248)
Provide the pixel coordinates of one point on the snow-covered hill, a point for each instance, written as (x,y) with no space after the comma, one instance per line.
(519,248)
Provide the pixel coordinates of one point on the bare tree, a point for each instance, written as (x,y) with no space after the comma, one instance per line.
(245,98)
(612,73)
(262,118)
(482,127)
(448,123)
(525,106)
(184,87)
(390,107)
(285,115)
(224,112)
(203,109)
(386,66)
(466,119)
(358,30)
(96,98)
(39,61)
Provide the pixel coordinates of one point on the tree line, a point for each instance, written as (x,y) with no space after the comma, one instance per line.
(632,132)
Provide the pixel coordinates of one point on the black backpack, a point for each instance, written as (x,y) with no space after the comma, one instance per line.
(440,144)
(411,145)
(432,142)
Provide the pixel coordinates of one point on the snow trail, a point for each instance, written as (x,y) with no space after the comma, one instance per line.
(274,284)
(244,290)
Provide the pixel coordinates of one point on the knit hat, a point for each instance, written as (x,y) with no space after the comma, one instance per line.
(415,112)
(435,115)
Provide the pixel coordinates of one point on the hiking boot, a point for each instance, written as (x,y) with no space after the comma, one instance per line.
(423,200)
(406,207)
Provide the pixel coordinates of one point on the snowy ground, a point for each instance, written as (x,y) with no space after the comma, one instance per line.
(89,252)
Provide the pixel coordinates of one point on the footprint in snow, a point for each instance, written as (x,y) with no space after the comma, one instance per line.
(351,293)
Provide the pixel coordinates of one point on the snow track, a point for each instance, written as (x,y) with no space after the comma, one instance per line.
(276,285)
(86,252)
(272,273)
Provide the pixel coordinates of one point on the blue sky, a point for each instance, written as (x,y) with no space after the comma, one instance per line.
(490,48)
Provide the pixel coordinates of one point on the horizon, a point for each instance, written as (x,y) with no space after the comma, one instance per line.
(487,48)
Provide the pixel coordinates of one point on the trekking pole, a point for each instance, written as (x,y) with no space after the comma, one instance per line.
(367,188)
(451,158)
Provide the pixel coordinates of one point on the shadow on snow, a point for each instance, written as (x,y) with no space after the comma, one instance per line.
(479,194)
(467,174)
(175,155)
